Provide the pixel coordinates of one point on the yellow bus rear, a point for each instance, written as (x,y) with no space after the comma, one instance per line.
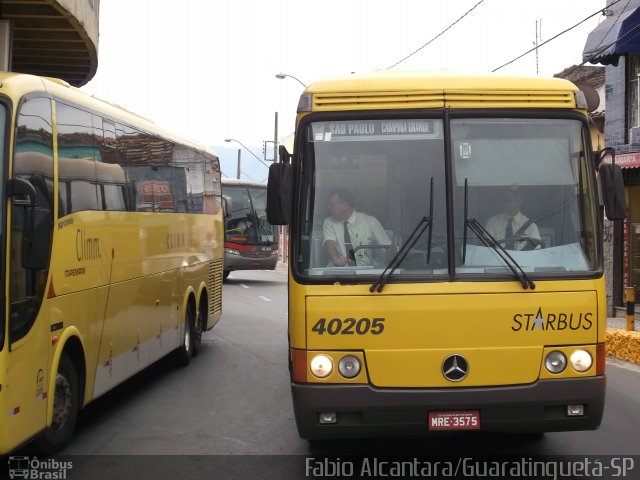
(113,236)
(438,323)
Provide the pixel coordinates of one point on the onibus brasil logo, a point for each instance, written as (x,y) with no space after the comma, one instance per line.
(35,469)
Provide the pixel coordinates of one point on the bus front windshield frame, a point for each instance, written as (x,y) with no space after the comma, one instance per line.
(3,237)
(441,174)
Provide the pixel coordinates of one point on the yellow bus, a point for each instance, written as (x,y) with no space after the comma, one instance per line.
(113,238)
(412,308)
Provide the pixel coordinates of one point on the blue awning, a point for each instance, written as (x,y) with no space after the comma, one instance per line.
(617,35)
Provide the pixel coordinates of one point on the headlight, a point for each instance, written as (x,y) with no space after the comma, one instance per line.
(581,360)
(555,362)
(349,366)
(321,366)
(232,251)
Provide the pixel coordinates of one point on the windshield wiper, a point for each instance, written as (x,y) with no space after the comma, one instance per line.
(403,251)
(486,238)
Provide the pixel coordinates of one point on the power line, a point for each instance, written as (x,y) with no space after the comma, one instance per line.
(555,36)
(434,38)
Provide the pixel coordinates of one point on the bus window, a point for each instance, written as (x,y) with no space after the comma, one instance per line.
(33,161)
(390,169)
(523,181)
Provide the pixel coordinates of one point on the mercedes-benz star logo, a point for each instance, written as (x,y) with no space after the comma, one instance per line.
(455,368)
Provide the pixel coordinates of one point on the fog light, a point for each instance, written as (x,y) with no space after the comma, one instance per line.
(575,410)
(321,366)
(328,417)
(555,362)
(581,360)
(349,366)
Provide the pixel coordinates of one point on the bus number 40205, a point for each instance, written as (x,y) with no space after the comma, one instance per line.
(349,326)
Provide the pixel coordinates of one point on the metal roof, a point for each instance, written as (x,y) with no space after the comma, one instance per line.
(54,38)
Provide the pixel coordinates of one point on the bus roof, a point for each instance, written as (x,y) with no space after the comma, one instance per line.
(437,89)
(436,80)
(241,183)
(17,85)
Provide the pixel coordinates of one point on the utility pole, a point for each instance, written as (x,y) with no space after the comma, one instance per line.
(275,141)
(538,38)
(238,171)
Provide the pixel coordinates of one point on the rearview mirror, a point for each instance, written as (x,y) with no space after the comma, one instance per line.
(612,184)
(615,207)
(279,194)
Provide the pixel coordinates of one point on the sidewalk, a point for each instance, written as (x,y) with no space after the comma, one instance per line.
(622,344)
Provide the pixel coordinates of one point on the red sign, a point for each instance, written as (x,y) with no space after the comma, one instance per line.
(626,160)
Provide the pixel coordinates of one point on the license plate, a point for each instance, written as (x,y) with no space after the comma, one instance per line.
(459,420)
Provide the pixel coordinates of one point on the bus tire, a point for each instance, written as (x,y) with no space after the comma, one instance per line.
(185,351)
(66,404)
(225,274)
(199,327)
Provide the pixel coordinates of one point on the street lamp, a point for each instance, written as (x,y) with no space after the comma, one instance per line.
(282,76)
(247,149)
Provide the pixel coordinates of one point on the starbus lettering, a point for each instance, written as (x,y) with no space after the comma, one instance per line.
(87,248)
(529,322)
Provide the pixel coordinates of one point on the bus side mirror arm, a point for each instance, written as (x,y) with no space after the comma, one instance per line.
(612,183)
(279,189)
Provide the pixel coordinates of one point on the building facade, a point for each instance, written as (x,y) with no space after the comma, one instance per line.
(615,43)
(51,38)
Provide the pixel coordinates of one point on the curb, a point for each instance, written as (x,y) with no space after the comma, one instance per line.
(623,345)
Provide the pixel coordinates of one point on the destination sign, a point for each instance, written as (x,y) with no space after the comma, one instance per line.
(376,130)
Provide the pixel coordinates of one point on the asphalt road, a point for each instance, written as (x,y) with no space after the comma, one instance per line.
(234,400)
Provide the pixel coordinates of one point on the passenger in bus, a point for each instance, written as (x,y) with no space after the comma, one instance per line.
(347,229)
(511,228)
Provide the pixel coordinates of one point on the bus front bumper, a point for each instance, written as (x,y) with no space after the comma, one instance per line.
(367,411)
(239,262)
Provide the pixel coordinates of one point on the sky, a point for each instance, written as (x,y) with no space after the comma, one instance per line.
(206,69)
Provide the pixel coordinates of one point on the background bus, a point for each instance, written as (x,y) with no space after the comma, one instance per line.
(250,241)
(113,253)
(452,327)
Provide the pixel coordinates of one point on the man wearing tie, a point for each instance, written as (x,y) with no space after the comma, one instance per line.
(504,225)
(346,229)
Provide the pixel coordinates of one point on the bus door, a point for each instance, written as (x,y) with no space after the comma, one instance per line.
(29,246)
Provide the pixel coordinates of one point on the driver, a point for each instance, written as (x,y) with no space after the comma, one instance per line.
(346,229)
(512,228)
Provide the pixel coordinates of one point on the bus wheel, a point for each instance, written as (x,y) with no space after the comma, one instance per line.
(225,274)
(199,327)
(185,352)
(65,409)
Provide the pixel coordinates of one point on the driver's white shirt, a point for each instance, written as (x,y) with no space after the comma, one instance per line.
(363,230)
(497,225)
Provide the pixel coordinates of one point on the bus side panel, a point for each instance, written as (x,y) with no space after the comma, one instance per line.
(125,345)
(85,311)
(24,404)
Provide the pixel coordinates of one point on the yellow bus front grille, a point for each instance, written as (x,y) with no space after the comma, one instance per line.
(341,101)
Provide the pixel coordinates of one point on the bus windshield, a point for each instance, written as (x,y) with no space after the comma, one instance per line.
(247,220)
(470,190)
